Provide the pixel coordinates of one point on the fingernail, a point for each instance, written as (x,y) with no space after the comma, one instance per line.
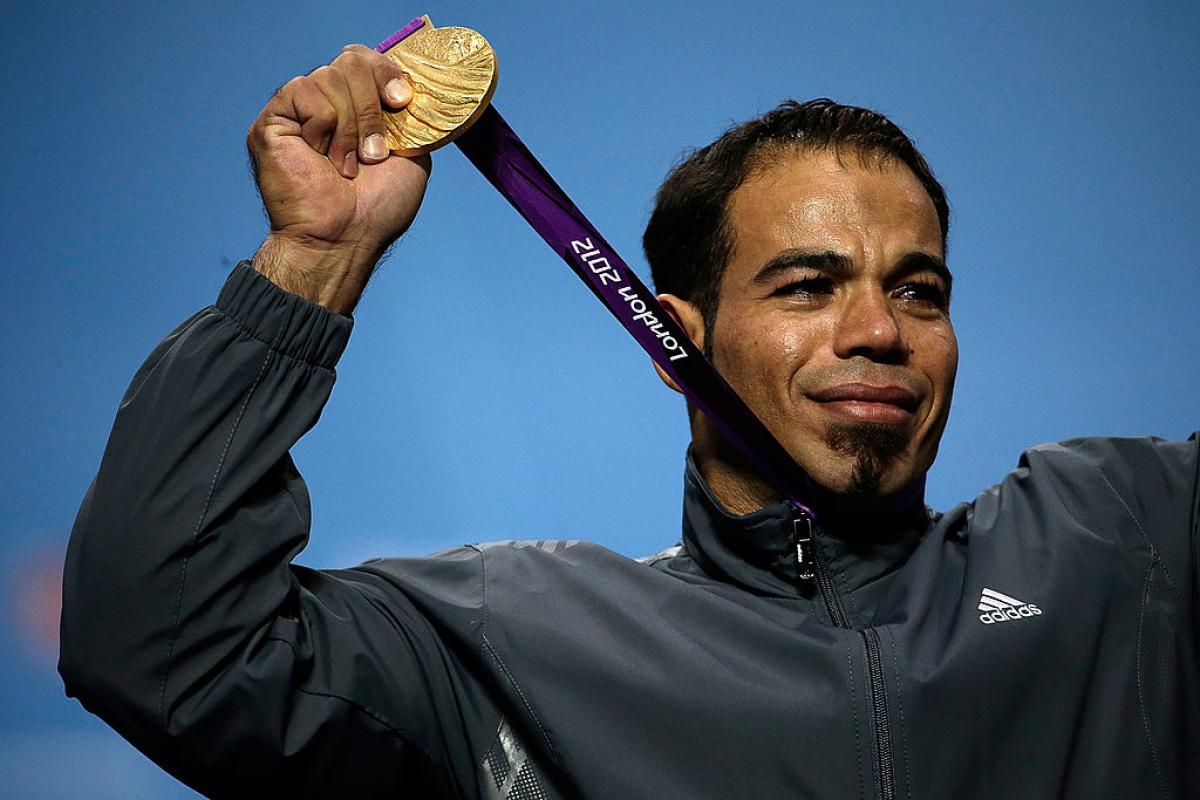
(350,164)
(374,147)
(397,91)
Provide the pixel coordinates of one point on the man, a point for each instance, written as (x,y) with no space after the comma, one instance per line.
(1040,641)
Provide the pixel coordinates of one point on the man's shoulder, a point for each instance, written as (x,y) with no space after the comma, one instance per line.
(1115,445)
(1120,460)
(453,584)
(662,556)
(1146,486)
(567,554)
(506,554)
(533,545)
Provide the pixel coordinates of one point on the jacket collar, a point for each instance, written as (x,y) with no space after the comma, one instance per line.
(757,551)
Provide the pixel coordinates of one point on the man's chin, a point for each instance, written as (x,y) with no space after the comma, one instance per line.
(871,456)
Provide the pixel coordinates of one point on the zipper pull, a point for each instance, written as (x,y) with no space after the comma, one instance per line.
(806,557)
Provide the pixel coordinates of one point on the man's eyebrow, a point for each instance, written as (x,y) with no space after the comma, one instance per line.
(838,265)
(825,261)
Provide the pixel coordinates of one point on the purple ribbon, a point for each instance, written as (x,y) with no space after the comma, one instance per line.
(507,163)
(400,35)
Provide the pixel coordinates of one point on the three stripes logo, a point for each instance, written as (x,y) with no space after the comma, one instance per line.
(998,607)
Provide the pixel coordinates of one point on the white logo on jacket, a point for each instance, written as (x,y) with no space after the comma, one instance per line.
(997,607)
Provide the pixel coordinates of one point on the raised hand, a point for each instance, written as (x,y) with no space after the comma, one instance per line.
(335,197)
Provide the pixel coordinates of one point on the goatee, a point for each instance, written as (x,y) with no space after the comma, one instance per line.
(873,446)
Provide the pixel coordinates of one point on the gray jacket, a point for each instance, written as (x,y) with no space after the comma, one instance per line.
(1037,642)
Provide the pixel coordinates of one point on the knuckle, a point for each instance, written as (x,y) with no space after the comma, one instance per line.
(351,60)
(256,134)
(369,111)
(347,131)
(326,116)
(324,73)
(288,88)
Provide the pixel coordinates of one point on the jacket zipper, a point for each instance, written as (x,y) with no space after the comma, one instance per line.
(810,566)
(879,714)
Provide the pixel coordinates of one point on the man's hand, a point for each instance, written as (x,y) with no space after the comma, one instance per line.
(335,197)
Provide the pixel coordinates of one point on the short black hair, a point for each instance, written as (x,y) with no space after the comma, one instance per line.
(688,240)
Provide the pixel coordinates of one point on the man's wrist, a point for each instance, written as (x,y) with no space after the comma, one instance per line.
(333,277)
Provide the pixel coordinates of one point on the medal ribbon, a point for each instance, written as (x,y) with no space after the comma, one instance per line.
(507,163)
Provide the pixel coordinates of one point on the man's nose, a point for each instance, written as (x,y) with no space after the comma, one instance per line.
(868,327)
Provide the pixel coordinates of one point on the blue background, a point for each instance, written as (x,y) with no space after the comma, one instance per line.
(485,394)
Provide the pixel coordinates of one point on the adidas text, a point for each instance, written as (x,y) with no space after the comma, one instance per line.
(1027,610)
(997,607)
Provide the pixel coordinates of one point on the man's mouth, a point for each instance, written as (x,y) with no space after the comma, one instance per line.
(862,402)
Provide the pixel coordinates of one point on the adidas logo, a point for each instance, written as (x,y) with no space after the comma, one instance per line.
(998,607)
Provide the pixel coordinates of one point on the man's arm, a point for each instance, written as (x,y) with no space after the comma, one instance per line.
(184,624)
(1157,485)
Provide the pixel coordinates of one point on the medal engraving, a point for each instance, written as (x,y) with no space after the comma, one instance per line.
(453,74)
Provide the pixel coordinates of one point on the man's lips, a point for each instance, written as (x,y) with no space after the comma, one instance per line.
(868,403)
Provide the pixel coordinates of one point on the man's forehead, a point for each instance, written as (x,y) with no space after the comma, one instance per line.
(823,197)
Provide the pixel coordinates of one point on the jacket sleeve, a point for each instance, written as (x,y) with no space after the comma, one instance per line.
(1157,483)
(185,626)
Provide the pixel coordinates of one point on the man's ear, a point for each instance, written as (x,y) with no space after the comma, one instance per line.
(690,319)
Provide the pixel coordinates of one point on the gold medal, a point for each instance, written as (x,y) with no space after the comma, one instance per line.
(453,75)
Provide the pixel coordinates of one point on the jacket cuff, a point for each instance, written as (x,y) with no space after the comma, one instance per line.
(285,321)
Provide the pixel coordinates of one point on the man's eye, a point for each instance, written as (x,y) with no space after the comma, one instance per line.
(807,288)
(929,294)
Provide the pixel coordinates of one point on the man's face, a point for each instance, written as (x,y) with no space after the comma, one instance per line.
(833,320)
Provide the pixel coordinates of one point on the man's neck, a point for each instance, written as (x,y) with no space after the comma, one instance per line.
(737,488)
(741,490)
